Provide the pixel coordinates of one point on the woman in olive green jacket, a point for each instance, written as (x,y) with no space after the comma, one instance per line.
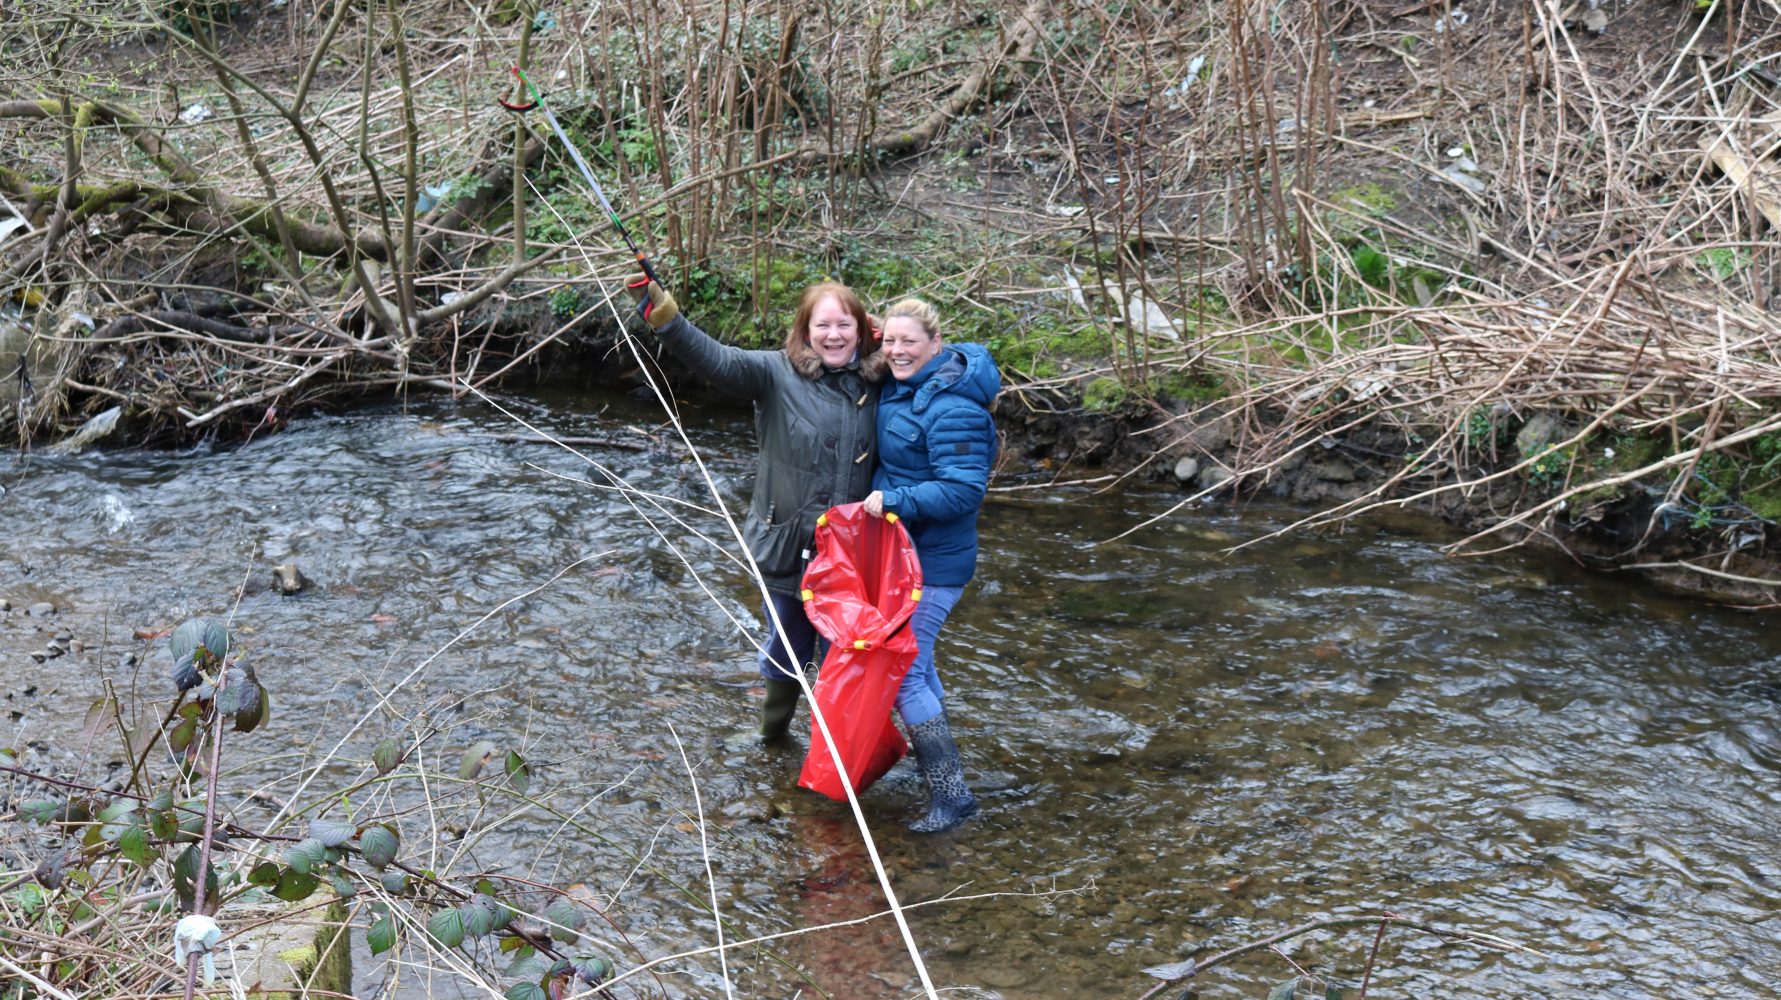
(814,406)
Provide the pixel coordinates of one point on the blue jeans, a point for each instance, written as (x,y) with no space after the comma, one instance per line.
(918,700)
(807,649)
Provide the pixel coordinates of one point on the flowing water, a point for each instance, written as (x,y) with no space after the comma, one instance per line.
(1177,750)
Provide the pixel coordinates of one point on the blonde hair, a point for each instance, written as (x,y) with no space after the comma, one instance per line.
(919,311)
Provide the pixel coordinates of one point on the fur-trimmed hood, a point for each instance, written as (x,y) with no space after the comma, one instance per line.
(805,362)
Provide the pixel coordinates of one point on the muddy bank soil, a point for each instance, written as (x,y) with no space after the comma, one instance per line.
(1628,530)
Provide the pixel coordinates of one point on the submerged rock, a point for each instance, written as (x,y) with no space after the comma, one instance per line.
(288,579)
(1213,476)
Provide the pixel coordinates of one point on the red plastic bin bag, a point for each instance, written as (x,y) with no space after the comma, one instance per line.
(859,592)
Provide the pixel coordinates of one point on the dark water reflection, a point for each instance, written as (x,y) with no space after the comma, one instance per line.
(1219,746)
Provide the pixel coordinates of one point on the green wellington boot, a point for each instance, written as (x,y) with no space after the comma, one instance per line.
(778,708)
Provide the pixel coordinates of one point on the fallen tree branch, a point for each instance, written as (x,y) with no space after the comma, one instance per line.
(1019,44)
(155,319)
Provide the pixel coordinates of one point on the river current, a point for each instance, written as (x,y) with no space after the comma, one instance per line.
(1178,749)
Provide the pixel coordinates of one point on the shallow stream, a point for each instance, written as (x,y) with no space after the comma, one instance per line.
(1194,749)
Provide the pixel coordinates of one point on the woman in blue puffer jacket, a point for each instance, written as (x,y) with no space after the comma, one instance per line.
(936,446)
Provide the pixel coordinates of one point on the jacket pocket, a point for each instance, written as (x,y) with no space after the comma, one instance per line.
(779,548)
(904,429)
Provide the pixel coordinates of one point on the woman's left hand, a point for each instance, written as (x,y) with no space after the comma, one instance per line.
(875,503)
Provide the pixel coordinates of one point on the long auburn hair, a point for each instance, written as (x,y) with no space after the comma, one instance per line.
(797,339)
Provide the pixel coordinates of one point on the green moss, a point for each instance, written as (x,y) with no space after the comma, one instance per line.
(1104,394)
(1765,502)
(1369,198)
(1183,385)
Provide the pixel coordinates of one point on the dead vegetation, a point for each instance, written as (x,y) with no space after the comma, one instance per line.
(1443,219)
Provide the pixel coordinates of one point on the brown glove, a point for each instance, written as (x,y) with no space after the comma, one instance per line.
(654,304)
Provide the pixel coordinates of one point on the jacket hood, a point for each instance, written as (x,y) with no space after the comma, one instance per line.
(965,369)
(807,363)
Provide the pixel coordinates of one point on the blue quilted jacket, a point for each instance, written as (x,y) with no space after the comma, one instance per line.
(936,445)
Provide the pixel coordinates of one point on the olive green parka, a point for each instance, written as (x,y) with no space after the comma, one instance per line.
(815,430)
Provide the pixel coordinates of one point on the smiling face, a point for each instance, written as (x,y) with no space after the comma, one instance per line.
(908,345)
(834,332)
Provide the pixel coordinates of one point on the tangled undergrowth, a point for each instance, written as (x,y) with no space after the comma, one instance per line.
(1304,220)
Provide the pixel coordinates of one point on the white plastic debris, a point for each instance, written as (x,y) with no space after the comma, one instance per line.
(1143,315)
(1456,174)
(196,934)
(431,195)
(1177,94)
(1457,19)
(1075,286)
(195,114)
(95,428)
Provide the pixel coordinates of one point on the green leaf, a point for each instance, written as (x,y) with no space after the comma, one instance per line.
(39,810)
(447,927)
(181,736)
(186,638)
(379,844)
(525,991)
(479,916)
(394,883)
(101,710)
(527,964)
(566,919)
(185,673)
(386,755)
(191,821)
(116,810)
(162,801)
(185,876)
(382,935)
(246,701)
(216,639)
(305,855)
(134,845)
(1332,993)
(294,886)
(163,824)
(592,969)
(265,873)
(504,913)
(331,832)
(342,886)
(518,772)
(74,812)
(1372,265)
(474,759)
(1285,990)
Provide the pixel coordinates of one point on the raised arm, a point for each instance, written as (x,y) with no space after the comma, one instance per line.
(745,373)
